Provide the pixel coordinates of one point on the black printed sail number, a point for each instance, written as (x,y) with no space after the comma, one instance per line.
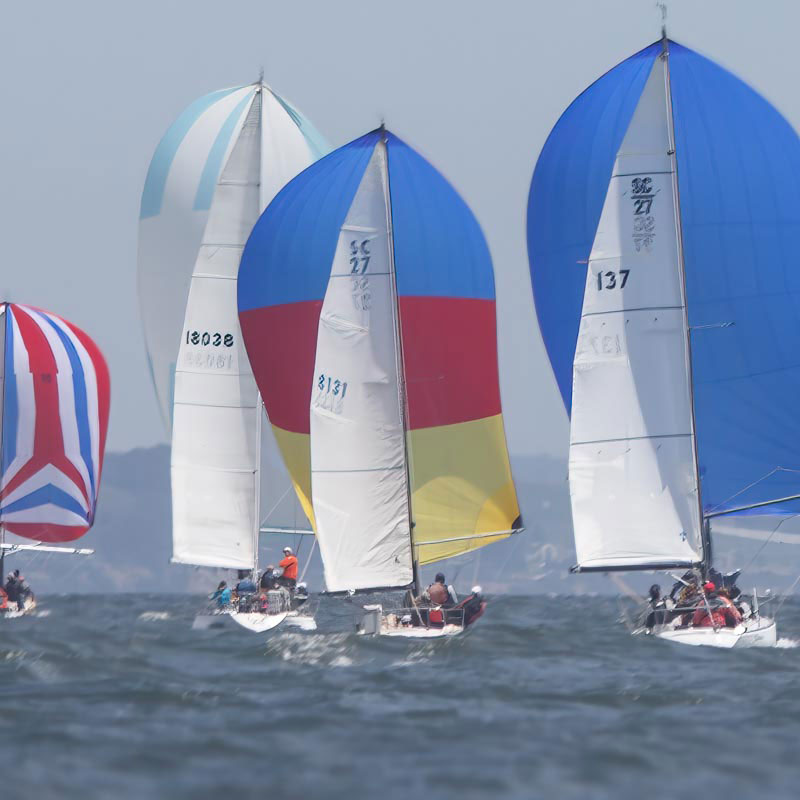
(612,280)
(208,339)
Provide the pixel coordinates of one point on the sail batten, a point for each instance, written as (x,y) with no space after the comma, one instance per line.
(633,484)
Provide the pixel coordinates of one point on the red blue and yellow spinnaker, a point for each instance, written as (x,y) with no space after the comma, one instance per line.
(366,276)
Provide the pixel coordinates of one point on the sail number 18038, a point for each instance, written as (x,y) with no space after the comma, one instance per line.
(612,280)
(209,339)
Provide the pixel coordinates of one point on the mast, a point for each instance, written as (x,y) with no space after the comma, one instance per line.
(400,360)
(705,525)
(259,401)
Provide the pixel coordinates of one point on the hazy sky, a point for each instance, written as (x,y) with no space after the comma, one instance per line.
(88,88)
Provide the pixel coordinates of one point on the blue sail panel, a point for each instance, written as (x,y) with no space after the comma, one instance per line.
(739,181)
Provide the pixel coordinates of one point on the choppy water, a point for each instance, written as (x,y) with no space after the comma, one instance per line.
(546,697)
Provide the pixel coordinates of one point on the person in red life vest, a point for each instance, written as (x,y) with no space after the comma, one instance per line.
(289,566)
(723,612)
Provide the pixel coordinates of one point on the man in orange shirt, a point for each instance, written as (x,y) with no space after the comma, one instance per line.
(289,566)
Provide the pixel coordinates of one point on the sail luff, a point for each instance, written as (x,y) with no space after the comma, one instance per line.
(705,537)
(399,358)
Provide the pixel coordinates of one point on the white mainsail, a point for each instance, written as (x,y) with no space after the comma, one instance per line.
(632,469)
(216,416)
(359,478)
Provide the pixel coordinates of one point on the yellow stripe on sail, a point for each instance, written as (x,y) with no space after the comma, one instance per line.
(296,451)
(461,487)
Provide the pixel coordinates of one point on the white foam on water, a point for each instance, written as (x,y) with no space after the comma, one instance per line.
(42,614)
(326,649)
(785,643)
(154,616)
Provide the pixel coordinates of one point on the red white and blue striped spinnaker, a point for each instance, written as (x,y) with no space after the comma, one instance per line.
(55,418)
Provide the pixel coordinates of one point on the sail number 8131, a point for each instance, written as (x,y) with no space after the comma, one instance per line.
(612,280)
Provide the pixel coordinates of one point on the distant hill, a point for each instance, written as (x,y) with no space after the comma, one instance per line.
(131,537)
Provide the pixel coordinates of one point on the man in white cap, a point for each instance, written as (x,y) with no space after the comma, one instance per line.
(289,566)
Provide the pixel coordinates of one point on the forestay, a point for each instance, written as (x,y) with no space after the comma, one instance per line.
(358,461)
(631,468)
(215,456)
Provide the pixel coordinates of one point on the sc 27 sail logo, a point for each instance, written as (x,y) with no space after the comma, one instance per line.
(644,223)
(359,261)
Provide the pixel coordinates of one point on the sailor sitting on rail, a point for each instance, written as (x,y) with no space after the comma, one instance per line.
(439,593)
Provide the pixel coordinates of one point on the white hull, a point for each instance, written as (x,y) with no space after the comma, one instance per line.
(421,633)
(761,632)
(30,607)
(254,621)
(376,623)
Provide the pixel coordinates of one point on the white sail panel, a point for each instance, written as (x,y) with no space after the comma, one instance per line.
(632,475)
(172,222)
(359,482)
(214,438)
(287,151)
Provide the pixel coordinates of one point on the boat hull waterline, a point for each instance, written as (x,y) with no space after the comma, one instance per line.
(254,621)
(761,632)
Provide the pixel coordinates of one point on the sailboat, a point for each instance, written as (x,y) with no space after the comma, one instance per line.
(661,222)
(54,402)
(374,277)
(212,174)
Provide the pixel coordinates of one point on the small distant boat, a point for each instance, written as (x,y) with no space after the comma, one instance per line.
(375,278)
(675,350)
(212,174)
(54,403)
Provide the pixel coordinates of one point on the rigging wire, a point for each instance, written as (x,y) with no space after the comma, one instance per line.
(785,595)
(308,560)
(767,541)
(750,486)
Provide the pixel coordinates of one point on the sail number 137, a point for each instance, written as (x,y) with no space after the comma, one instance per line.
(612,280)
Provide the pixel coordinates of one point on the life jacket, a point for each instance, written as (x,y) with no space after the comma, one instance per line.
(725,615)
(3,599)
(289,565)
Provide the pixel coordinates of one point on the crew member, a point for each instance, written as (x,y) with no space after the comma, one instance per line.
(222,595)
(268,580)
(11,588)
(245,584)
(289,566)
(439,593)
(23,590)
(472,607)
(658,613)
